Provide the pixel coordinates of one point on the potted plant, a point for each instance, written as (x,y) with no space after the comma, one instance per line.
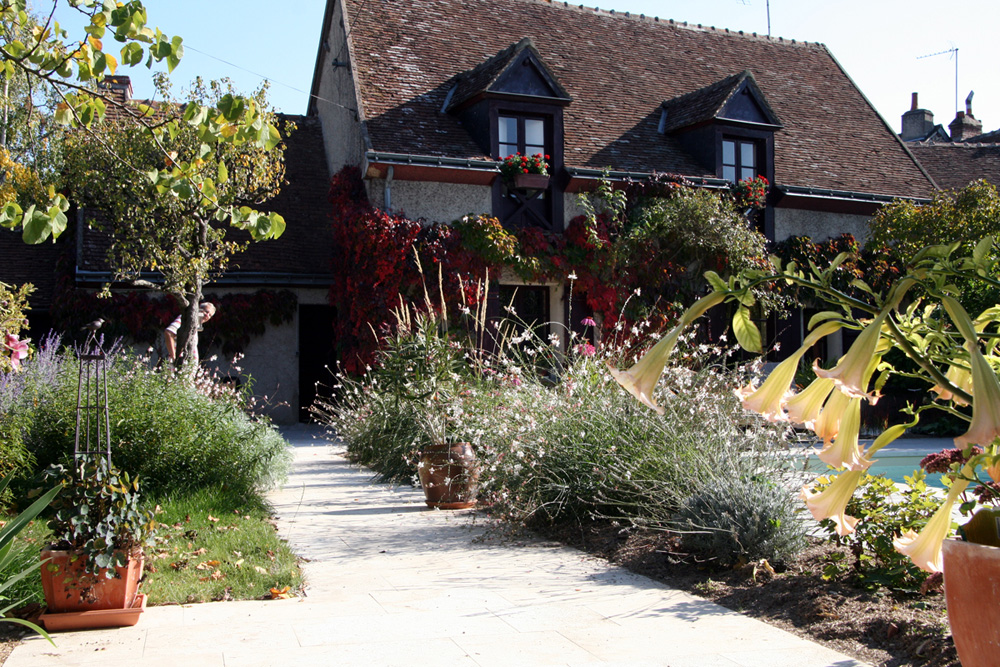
(956,355)
(95,560)
(423,368)
(526,172)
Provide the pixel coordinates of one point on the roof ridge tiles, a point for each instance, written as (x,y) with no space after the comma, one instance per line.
(679,24)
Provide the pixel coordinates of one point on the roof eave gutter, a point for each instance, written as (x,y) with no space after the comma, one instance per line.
(845,195)
(233,278)
(430,161)
(585,173)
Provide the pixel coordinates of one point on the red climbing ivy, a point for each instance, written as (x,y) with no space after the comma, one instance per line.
(604,259)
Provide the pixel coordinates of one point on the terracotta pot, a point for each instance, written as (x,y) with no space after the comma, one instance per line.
(98,618)
(531,181)
(449,475)
(69,589)
(972,591)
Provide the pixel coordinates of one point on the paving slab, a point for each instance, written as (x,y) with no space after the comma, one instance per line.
(391,582)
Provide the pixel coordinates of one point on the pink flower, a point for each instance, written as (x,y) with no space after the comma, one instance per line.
(588,322)
(585,350)
(18,350)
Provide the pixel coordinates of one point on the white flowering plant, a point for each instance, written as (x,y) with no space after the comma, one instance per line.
(920,315)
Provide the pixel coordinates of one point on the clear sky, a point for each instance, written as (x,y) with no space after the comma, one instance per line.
(878,42)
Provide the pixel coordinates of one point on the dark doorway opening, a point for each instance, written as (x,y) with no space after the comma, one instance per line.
(317,356)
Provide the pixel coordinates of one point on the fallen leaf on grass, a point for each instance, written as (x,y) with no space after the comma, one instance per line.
(215,576)
(212,519)
(207,565)
(199,552)
(179,565)
(281,593)
(270,554)
(259,569)
(239,563)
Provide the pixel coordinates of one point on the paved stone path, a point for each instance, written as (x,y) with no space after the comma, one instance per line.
(392,583)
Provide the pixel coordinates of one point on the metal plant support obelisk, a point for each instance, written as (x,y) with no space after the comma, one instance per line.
(93,421)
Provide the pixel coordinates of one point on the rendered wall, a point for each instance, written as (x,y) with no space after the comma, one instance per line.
(338,101)
(435,202)
(818,225)
(272,360)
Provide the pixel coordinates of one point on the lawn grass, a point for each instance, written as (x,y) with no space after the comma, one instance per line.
(210,545)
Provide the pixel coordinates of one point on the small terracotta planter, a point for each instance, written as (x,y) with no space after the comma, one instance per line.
(972,589)
(98,618)
(531,181)
(449,475)
(69,589)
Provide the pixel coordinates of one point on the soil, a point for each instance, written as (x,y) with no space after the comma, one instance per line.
(883,628)
(11,634)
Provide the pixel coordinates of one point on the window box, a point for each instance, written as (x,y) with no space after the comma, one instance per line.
(531,181)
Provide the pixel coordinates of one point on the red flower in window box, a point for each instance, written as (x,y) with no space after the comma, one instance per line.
(514,168)
(750,192)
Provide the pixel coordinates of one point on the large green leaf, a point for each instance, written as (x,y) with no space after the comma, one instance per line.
(747,334)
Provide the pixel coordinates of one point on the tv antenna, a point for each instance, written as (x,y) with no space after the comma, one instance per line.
(953,51)
(768,3)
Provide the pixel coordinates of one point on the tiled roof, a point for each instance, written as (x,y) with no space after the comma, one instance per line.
(706,103)
(307,244)
(986,138)
(618,70)
(483,77)
(955,165)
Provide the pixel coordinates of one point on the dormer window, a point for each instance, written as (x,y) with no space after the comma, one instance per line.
(512,103)
(518,134)
(728,126)
(739,159)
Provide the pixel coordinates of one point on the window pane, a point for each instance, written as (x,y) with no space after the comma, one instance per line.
(728,153)
(729,173)
(507,135)
(534,136)
(747,172)
(746,154)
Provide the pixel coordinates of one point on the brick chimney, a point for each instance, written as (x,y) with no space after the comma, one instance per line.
(917,123)
(118,86)
(965,125)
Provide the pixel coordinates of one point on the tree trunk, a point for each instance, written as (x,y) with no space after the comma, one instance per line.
(187,335)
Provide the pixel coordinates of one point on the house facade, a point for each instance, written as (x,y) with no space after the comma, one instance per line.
(427,95)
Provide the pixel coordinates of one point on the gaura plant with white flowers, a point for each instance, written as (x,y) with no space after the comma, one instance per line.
(920,315)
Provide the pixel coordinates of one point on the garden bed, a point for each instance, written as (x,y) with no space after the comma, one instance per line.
(878,627)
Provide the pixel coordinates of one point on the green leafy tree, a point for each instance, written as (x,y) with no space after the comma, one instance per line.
(965,215)
(45,55)
(902,229)
(179,232)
